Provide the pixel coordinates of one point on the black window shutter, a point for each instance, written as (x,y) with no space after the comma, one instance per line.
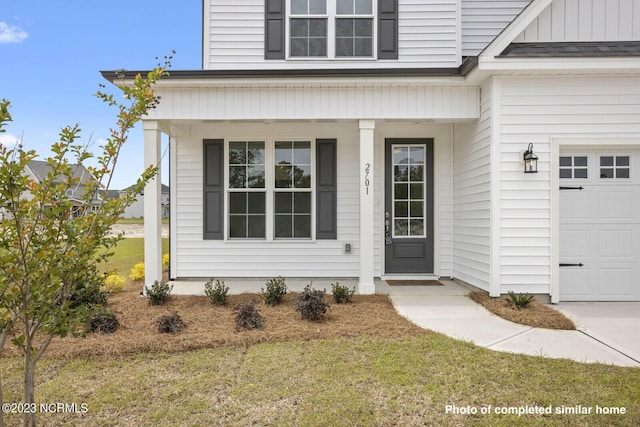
(326,189)
(274,20)
(213,189)
(387,29)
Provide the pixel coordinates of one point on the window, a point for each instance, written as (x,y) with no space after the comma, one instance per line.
(614,167)
(573,167)
(308,28)
(247,189)
(354,33)
(313,23)
(252,183)
(408,191)
(292,189)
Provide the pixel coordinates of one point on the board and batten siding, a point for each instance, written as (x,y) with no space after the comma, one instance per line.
(301,100)
(483,20)
(472,196)
(584,21)
(234,38)
(536,110)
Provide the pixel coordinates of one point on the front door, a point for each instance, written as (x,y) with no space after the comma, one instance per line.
(408,220)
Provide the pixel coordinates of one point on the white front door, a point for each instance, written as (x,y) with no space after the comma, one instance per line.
(600,224)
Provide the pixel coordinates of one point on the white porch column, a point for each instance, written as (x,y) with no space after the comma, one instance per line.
(152,206)
(365,283)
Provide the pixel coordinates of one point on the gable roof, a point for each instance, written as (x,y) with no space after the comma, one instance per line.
(40,169)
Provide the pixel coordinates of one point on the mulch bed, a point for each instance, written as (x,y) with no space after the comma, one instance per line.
(537,314)
(208,325)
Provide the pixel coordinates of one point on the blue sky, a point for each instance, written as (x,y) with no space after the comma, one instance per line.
(51,52)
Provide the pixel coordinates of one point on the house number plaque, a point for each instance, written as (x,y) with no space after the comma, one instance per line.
(367,170)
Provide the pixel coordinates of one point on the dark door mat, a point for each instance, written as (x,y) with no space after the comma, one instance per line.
(414,283)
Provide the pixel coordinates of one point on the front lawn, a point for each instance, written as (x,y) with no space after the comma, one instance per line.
(127,253)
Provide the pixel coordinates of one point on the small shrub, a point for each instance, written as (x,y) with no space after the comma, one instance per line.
(137,272)
(113,283)
(104,322)
(276,289)
(159,292)
(88,293)
(520,301)
(218,293)
(311,304)
(170,323)
(247,316)
(165,259)
(342,294)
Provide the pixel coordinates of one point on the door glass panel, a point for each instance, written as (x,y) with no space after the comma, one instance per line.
(408,206)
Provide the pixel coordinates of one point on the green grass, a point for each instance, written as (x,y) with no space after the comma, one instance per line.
(138,221)
(127,253)
(406,381)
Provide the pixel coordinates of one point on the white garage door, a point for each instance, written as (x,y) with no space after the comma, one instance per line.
(600,225)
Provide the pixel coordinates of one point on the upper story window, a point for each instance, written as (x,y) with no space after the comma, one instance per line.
(331,28)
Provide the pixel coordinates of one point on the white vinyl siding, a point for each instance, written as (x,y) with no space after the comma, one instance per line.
(483,20)
(538,110)
(196,257)
(234,38)
(471,197)
(585,20)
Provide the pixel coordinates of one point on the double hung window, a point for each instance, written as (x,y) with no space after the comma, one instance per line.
(331,28)
(277,174)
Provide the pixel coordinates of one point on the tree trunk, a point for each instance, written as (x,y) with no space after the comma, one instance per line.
(29,387)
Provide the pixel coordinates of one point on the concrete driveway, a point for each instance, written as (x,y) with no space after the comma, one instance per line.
(615,324)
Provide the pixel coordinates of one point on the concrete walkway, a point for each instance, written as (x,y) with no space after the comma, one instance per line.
(607,332)
(603,337)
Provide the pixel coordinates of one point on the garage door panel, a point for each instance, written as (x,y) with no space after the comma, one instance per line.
(614,205)
(615,282)
(575,243)
(617,244)
(575,206)
(575,283)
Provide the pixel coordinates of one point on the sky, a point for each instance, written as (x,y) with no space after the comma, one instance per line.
(51,55)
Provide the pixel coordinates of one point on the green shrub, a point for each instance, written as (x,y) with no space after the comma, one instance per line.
(276,289)
(88,293)
(104,322)
(170,323)
(159,292)
(342,294)
(520,301)
(311,305)
(218,293)
(247,316)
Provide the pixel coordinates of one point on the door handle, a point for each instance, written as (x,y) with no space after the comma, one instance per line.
(387,236)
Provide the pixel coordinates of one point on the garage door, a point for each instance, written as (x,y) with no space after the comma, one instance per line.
(600,225)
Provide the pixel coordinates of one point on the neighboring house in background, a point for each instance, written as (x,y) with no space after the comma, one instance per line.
(136,209)
(39,169)
(385,138)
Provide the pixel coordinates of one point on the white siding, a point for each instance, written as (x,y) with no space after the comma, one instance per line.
(300,100)
(537,110)
(234,38)
(471,197)
(196,257)
(483,20)
(586,20)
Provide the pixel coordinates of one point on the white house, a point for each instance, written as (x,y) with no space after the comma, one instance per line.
(136,209)
(384,138)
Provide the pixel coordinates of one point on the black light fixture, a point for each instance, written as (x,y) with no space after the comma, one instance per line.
(530,160)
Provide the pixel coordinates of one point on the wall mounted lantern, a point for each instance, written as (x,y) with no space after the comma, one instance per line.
(530,160)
